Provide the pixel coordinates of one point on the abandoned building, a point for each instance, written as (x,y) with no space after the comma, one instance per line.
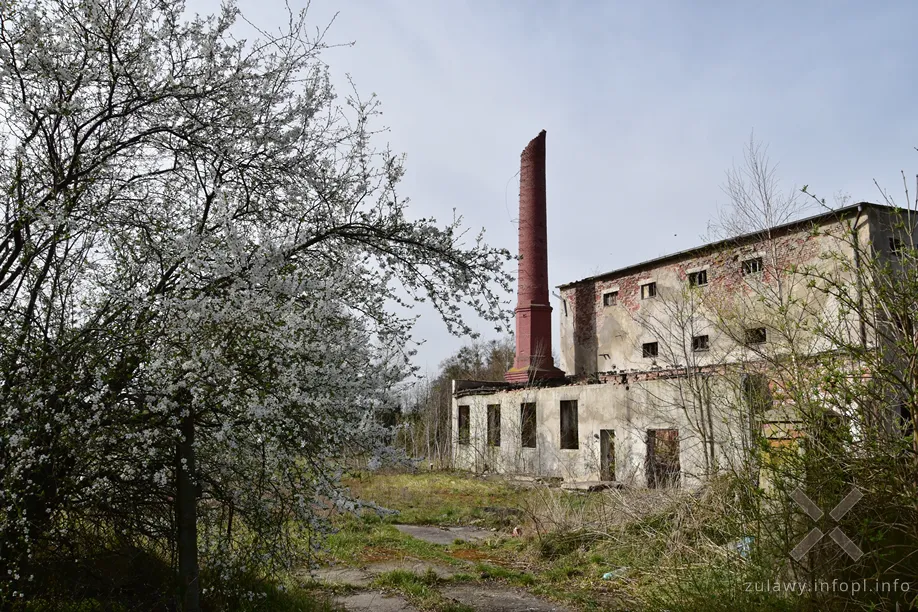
(614,408)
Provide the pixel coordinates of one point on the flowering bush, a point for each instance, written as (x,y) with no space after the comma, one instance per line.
(200,255)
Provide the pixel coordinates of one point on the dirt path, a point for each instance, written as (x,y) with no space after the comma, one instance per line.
(374,601)
(445,535)
(495,598)
(477,596)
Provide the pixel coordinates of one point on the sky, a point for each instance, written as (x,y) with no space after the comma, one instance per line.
(646,105)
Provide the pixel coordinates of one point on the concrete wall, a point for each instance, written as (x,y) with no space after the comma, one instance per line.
(630,408)
(600,338)
(630,393)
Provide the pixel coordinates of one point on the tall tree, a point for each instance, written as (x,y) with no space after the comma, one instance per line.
(198,251)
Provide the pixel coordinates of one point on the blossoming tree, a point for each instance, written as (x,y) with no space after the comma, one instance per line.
(200,256)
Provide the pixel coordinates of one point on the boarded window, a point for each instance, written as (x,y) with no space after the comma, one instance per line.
(569,433)
(648,291)
(649,350)
(753,266)
(700,343)
(610,298)
(662,459)
(528,425)
(756,335)
(494,425)
(465,425)
(698,279)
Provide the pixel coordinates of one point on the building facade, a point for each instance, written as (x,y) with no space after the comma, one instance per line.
(658,360)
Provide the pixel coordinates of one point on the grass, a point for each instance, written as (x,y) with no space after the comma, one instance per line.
(419,590)
(361,541)
(442,498)
(285,596)
(110,575)
(450,498)
(265,596)
(659,550)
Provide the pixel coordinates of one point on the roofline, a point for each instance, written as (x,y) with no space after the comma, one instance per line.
(743,238)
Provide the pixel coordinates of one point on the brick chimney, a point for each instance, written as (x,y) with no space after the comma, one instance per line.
(533,312)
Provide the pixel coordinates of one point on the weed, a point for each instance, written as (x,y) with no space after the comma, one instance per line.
(441,498)
(419,589)
(496,572)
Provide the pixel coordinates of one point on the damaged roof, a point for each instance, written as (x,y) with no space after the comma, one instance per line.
(836,214)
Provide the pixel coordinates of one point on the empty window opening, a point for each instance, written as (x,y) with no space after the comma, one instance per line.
(698,279)
(569,434)
(528,425)
(649,350)
(662,460)
(494,425)
(756,335)
(610,298)
(756,393)
(753,266)
(700,343)
(895,245)
(648,291)
(465,425)
(905,421)
(607,454)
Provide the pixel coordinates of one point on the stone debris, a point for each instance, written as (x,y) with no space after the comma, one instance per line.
(592,486)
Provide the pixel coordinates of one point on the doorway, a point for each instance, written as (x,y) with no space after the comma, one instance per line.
(663,468)
(607,454)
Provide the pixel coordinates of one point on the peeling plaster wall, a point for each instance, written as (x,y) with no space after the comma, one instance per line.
(599,338)
(622,406)
(631,394)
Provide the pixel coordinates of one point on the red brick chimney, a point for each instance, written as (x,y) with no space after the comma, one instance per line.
(533,312)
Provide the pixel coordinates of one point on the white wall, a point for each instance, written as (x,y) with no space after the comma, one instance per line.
(625,408)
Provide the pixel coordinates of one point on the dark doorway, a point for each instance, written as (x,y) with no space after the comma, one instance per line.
(607,454)
(663,468)
(528,421)
(570,438)
(494,425)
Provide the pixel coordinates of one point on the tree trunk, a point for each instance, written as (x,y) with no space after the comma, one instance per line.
(186,515)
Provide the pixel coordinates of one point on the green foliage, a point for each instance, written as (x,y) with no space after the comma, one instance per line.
(489,571)
(252,594)
(425,420)
(105,578)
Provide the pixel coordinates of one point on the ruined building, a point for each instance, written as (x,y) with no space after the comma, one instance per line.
(633,398)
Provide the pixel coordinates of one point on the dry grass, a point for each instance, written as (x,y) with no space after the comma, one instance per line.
(664,549)
(441,498)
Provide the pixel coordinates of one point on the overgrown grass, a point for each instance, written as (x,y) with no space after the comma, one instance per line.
(419,589)
(265,598)
(254,594)
(108,575)
(361,541)
(632,550)
(442,498)
(616,550)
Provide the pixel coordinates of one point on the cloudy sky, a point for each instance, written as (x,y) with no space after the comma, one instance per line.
(646,104)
